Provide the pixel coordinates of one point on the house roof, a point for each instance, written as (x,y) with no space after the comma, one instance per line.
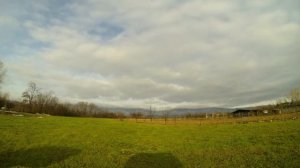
(242,111)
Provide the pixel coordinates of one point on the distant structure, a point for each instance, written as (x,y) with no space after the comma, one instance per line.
(254,112)
(242,112)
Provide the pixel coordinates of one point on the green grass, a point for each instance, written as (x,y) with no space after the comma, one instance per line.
(89,142)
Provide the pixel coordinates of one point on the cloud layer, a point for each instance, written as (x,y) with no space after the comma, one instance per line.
(181,53)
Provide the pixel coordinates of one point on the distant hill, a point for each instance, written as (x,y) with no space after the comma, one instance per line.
(175,111)
(125,110)
(180,111)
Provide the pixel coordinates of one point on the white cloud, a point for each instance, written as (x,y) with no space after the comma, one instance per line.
(220,53)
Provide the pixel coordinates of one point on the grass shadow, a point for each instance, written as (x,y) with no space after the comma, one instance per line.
(36,157)
(153,160)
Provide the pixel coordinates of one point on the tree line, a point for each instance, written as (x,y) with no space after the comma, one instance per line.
(36,100)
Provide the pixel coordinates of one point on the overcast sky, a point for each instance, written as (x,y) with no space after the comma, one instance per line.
(132,53)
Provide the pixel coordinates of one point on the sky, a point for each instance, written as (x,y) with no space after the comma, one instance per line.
(196,53)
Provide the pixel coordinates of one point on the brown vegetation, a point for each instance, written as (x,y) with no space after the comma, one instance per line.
(227,119)
(34,100)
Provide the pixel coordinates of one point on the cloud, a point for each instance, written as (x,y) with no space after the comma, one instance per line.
(212,53)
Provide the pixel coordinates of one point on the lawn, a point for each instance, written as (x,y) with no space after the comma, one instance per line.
(30,141)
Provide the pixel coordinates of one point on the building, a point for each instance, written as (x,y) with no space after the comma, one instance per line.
(254,112)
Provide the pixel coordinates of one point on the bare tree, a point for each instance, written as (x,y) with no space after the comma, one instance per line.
(43,101)
(91,108)
(52,104)
(82,108)
(151,113)
(3,97)
(281,103)
(165,115)
(2,71)
(136,115)
(3,100)
(295,95)
(120,116)
(30,94)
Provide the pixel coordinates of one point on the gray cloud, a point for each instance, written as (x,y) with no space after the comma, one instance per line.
(182,53)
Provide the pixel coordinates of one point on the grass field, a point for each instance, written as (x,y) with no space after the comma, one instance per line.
(50,141)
